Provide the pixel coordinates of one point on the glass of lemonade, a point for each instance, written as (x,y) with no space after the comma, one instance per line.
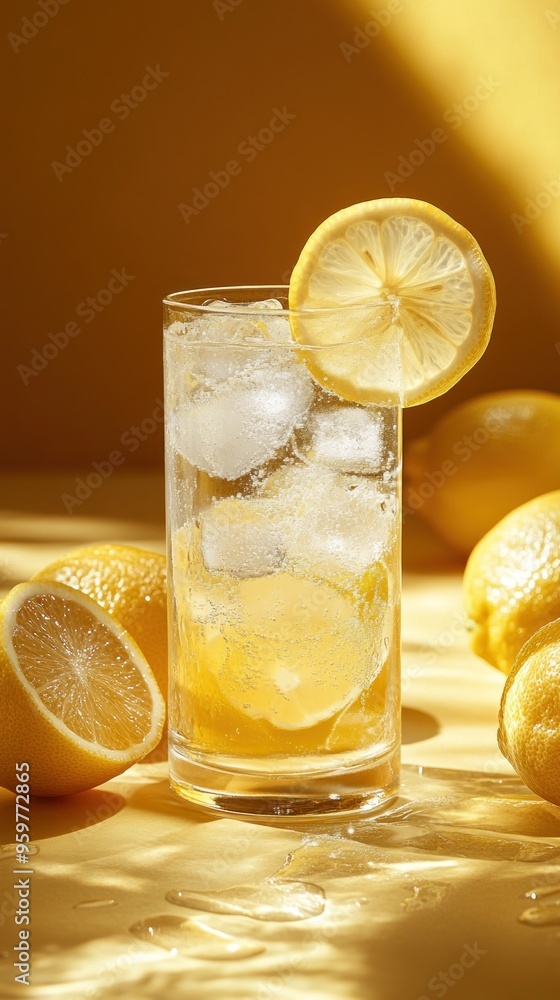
(284,512)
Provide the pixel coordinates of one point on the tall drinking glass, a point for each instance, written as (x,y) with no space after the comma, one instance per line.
(283,513)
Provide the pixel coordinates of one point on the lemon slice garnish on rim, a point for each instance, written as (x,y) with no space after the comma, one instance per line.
(420,295)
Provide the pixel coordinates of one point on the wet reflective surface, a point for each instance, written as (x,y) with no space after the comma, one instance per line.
(181,936)
(297,910)
(271,900)
(94,904)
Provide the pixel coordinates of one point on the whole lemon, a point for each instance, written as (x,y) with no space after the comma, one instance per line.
(512,580)
(481,460)
(529,721)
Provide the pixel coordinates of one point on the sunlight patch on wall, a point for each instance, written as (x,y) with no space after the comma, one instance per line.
(494,70)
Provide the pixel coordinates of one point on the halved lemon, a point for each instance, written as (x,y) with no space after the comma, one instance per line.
(131,584)
(79,701)
(420,295)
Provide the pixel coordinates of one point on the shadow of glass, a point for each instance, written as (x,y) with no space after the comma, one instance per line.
(414,647)
(159,797)
(418,726)
(422,550)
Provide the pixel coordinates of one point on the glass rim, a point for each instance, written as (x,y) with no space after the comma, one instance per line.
(179,301)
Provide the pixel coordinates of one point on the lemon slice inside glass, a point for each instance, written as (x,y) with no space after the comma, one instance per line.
(283,649)
(419,299)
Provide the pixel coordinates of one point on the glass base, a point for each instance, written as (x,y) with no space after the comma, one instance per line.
(284,799)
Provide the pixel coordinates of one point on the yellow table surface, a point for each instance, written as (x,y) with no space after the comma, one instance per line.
(400,922)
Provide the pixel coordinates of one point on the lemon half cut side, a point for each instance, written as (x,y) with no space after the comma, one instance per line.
(422,295)
(83,702)
(131,584)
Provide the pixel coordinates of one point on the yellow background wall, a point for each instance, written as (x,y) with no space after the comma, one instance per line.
(359,114)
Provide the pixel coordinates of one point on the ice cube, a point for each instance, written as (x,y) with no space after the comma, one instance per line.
(239,537)
(343,437)
(223,304)
(335,525)
(243,422)
(211,348)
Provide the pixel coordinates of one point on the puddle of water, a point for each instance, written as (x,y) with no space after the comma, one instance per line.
(419,781)
(187,937)
(426,896)
(463,844)
(94,904)
(274,899)
(331,857)
(545,915)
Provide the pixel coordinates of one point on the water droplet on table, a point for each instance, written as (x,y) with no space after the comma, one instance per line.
(188,937)
(273,899)
(542,891)
(94,904)
(545,915)
(426,895)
